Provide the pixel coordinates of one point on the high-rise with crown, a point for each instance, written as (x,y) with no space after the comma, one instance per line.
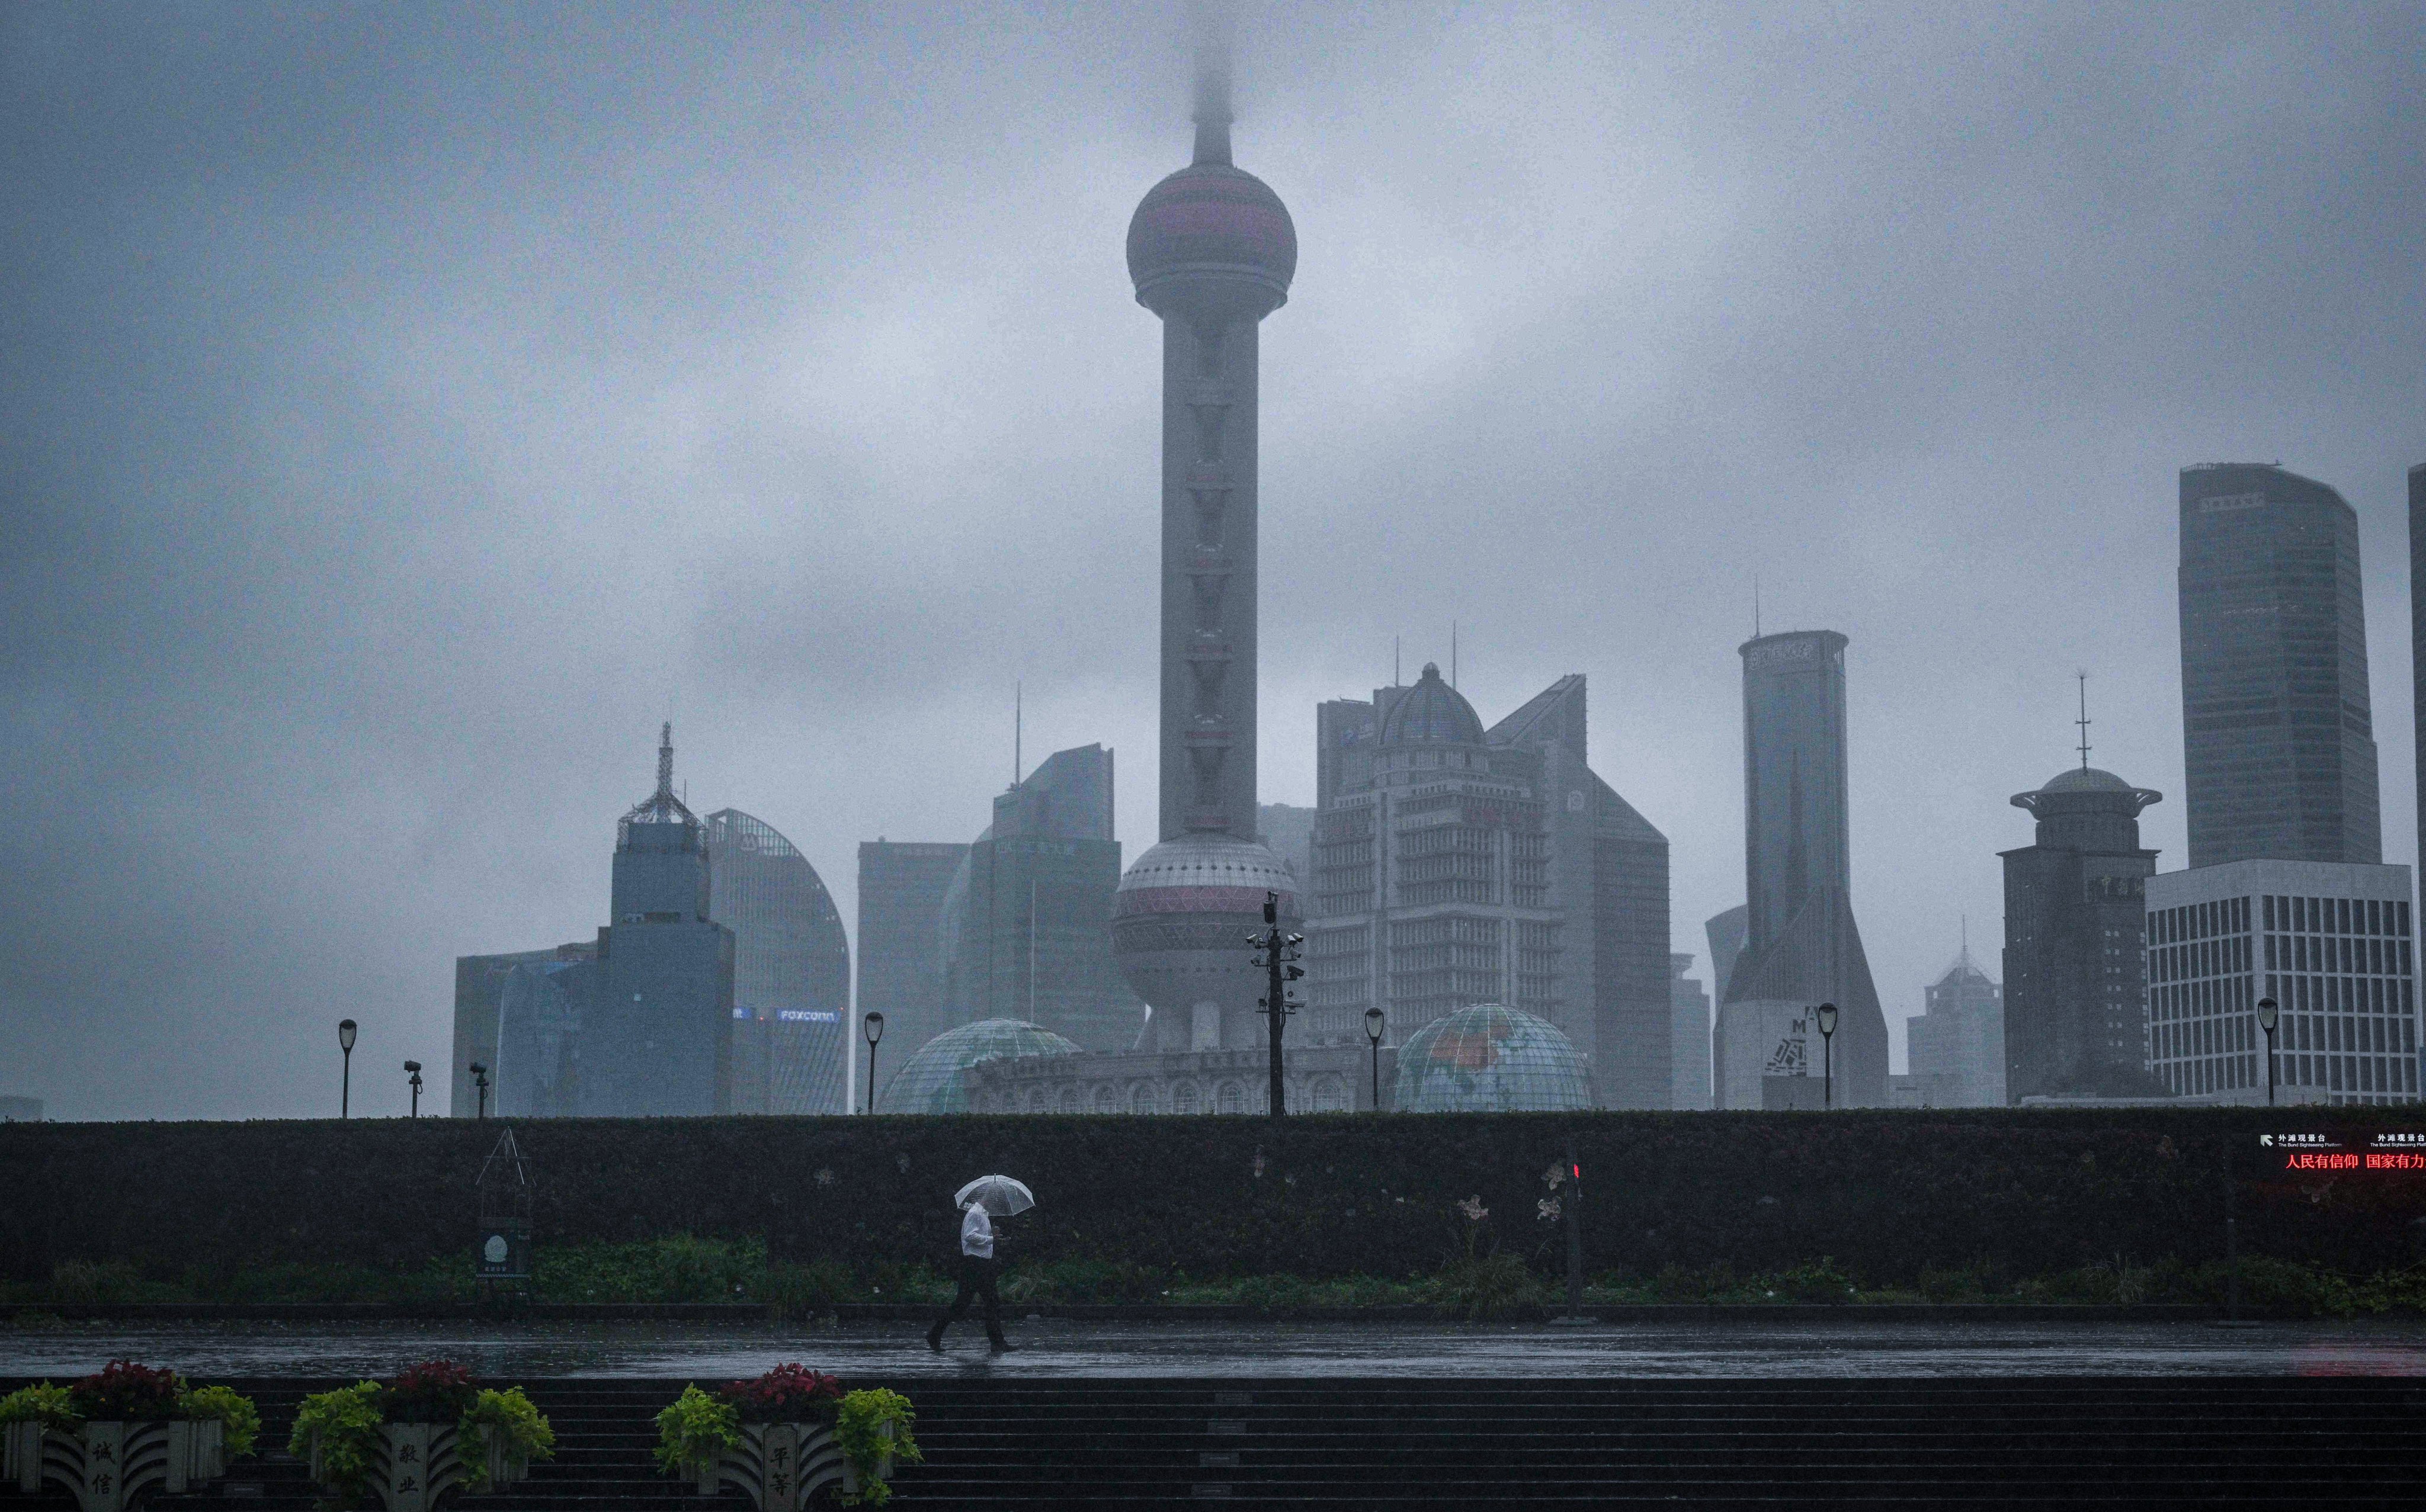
(658,1040)
(1211,252)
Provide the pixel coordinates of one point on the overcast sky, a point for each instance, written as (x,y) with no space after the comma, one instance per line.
(404,409)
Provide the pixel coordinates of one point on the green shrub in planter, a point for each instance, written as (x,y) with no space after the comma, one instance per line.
(783,1438)
(873,1428)
(694,1433)
(115,1436)
(430,1430)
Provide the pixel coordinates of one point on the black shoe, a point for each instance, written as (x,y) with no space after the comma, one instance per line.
(935,1340)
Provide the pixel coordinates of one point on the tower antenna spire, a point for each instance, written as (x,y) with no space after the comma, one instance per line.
(1756,606)
(666,761)
(2084,720)
(1211,23)
(1452,653)
(1018,730)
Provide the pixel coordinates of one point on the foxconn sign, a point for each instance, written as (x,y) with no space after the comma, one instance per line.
(810,1015)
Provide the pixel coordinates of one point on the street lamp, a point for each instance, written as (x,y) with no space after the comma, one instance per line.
(1373,1021)
(1827,1054)
(345,1087)
(480,1082)
(871,1025)
(412,1078)
(2269,1011)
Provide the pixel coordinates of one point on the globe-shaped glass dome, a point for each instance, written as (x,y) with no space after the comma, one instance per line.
(1491,1059)
(935,1078)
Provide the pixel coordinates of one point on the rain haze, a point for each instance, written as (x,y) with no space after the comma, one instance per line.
(404,411)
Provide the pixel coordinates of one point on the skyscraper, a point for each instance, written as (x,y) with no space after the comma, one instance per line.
(791,969)
(2418,638)
(658,1040)
(902,891)
(1026,920)
(2279,740)
(1956,1044)
(1689,1036)
(1801,946)
(1211,252)
(2076,938)
(1456,866)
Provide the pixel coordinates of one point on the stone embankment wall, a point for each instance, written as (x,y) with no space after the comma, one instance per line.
(1886,1194)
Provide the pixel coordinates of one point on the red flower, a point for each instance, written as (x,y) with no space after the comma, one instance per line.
(125,1392)
(435,1390)
(787,1394)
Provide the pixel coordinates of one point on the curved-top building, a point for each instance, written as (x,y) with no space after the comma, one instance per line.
(1489,1058)
(1212,250)
(935,1079)
(791,969)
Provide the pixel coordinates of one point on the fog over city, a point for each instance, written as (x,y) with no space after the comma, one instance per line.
(404,411)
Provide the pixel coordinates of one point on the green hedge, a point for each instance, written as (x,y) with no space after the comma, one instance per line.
(1887,1195)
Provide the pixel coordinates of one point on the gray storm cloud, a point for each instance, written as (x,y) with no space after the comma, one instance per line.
(401,411)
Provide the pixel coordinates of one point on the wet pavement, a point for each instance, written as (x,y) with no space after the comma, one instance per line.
(1749,1347)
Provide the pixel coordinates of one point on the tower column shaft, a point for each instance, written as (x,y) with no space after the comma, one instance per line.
(1208,576)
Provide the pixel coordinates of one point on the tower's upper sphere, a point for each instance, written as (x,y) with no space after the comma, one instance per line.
(1212,241)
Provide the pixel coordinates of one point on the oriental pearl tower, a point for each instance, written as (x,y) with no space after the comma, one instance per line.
(1212,250)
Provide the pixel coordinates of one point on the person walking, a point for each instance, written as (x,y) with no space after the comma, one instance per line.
(977,1278)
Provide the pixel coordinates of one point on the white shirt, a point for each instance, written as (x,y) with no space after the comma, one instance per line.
(977,1232)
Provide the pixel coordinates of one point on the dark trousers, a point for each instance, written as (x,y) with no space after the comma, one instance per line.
(977,1281)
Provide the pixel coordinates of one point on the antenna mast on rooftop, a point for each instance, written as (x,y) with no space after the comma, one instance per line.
(2084,720)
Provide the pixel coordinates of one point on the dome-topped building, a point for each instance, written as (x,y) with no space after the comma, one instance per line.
(1430,714)
(935,1078)
(2076,1021)
(1490,1059)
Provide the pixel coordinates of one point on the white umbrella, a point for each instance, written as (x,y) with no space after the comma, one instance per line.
(1001,1195)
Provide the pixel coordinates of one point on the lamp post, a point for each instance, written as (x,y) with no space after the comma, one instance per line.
(1827,1016)
(2269,1013)
(1280,953)
(481,1083)
(871,1025)
(345,1085)
(1373,1022)
(412,1079)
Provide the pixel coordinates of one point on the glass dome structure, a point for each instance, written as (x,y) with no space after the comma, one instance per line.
(934,1079)
(1489,1058)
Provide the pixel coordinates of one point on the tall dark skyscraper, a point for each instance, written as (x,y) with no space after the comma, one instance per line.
(1801,946)
(2279,740)
(902,891)
(2417,640)
(1027,921)
(1211,252)
(2076,943)
(658,1040)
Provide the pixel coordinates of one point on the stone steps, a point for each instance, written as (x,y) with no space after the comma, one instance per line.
(2026,1441)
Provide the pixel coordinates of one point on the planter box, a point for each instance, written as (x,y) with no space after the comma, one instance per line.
(419,1462)
(106,1465)
(782,1466)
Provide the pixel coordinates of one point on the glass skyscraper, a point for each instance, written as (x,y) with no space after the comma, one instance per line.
(2278,740)
(1027,925)
(1801,947)
(791,969)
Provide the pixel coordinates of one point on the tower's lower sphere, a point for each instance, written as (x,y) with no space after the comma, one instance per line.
(1180,924)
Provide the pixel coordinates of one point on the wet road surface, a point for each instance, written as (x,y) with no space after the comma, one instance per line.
(1750,1347)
